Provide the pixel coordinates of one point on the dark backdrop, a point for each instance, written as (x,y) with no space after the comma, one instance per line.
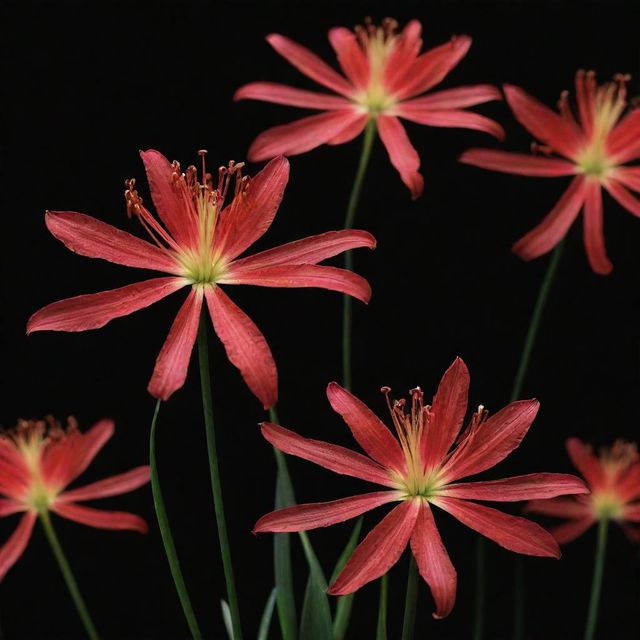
(88,84)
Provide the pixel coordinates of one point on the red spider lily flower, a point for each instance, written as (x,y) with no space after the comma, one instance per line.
(198,243)
(383,73)
(418,470)
(614,480)
(596,144)
(38,460)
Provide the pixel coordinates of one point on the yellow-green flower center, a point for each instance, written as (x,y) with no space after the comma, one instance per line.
(607,505)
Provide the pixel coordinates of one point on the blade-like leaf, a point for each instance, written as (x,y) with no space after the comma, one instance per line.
(267,615)
(381,629)
(226,618)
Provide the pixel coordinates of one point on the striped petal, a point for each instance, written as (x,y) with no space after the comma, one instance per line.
(571,530)
(593,231)
(99,518)
(560,507)
(304,517)
(97,309)
(628,176)
(623,143)
(282,94)
(115,485)
(14,547)
(351,58)
(353,129)
(457,98)
(623,197)
(518,163)
(456,118)
(330,456)
(586,462)
(10,506)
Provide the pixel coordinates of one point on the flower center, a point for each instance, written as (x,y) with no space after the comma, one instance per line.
(607,505)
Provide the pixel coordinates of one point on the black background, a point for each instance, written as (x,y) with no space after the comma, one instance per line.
(88,84)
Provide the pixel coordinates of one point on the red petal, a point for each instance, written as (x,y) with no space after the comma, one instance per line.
(121,483)
(282,94)
(249,215)
(245,346)
(518,163)
(370,433)
(302,135)
(623,197)
(401,153)
(511,532)
(628,487)
(15,476)
(457,98)
(593,233)
(303,517)
(96,309)
(569,531)
(533,485)
(330,456)
(172,364)
(100,519)
(560,507)
(447,415)
(167,199)
(628,176)
(430,68)
(14,547)
(623,143)
(353,129)
(90,237)
(543,123)
(585,462)
(631,513)
(554,227)
(8,507)
(351,58)
(403,55)
(379,551)
(449,118)
(304,275)
(309,250)
(433,562)
(492,441)
(309,64)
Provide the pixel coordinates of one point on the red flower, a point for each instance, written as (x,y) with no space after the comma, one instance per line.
(199,245)
(596,144)
(383,72)
(38,460)
(419,471)
(614,480)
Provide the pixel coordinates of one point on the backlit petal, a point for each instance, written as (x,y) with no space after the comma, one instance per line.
(623,143)
(628,176)
(585,461)
(121,483)
(457,98)
(560,507)
(456,118)
(593,232)
(351,58)
(518,163)
(569,531)
(623,197)
(282,94)
(10,506)
(99,518)
(14,547)
(353,129)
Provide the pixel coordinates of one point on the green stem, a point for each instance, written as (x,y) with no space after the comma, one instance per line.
(478,621)
(72,585)
(165,532)
(381,628)
(596,585)
(411,599)
(223,536)
(365,155)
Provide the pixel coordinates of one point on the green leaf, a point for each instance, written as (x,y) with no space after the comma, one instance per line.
(345,603)
(265,621)
(381,629)
(316,613)
(226,618)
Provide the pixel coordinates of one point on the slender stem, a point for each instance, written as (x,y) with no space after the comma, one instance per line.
(381,628)
(478,620)
(596,585)
(167,537)
(223,537)
(411,599)
(367,144)
(72,585)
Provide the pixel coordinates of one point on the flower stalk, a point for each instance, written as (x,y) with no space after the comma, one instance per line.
(596,585)
(411,600)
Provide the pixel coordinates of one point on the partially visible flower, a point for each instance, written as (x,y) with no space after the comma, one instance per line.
(419,471)
(614,480)
(38,460)
(596,143)
(383,73)
(198,243)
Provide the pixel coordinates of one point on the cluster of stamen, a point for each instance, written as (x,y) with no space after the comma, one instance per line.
(616,462)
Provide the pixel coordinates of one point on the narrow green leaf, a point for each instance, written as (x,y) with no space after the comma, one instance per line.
(381,629)
(316,614)
(267,615)
(345,603)
(226,618)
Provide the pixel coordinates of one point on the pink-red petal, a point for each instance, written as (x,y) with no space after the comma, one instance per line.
(14,547)
(555,225)
(561,507)
(456,118)
(330,456)
(303,517)
(245,346)
(433,562)
(309,250)
(402,154)
(353,129)
(623,143)
(309,64)
(518,163)
(282,94)
(569,531)
(380,549)
(492,441)
(121,483)
(304,275)
(543,123)
(172,363)
(94,310)
(628,176)
(593,231)
(302,135)
(90,237)
(511,532)
(251,213)
(528,487)
(631,512)
(351,57)
(368,430)
(99,518)
(457,98)
(623,197)
(10,506)
(585,461)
